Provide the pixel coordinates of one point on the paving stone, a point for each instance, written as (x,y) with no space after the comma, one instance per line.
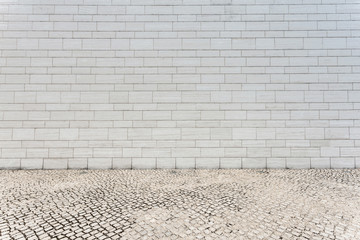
(180,204)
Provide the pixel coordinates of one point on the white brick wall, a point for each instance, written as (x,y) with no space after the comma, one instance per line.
(179,84)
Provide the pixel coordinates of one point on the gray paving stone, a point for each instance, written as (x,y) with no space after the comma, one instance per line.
(180,204)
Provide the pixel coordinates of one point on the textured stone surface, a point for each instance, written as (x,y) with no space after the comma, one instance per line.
(180,204)
(105,84)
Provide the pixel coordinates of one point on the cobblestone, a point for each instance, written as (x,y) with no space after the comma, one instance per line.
(180,204)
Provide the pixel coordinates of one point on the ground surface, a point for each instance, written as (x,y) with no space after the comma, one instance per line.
(180,204)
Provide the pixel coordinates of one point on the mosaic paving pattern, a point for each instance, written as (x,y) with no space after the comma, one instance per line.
(180,204)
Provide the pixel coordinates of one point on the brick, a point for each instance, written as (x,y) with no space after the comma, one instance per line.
(78,163)
(179,84)
(99,163)
(244,133)
(276,163)
(141,44)
(23,134)
(336,133)
(320,162)
(6,163)
(55,163)
(196,44)
(122,163)
(230,163)
(195,133)
(343,162)
(47,134)
(141,163)
(207,163)
(164,97)
(32,163)
(254,163)
(96,44)
(166,133)
(6,134)
(93,134)
(297,163)
(289,96)
(165,163)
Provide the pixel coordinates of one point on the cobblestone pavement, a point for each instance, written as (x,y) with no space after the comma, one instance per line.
(180,204)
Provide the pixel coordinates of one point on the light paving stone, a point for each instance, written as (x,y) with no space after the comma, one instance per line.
(178,204)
